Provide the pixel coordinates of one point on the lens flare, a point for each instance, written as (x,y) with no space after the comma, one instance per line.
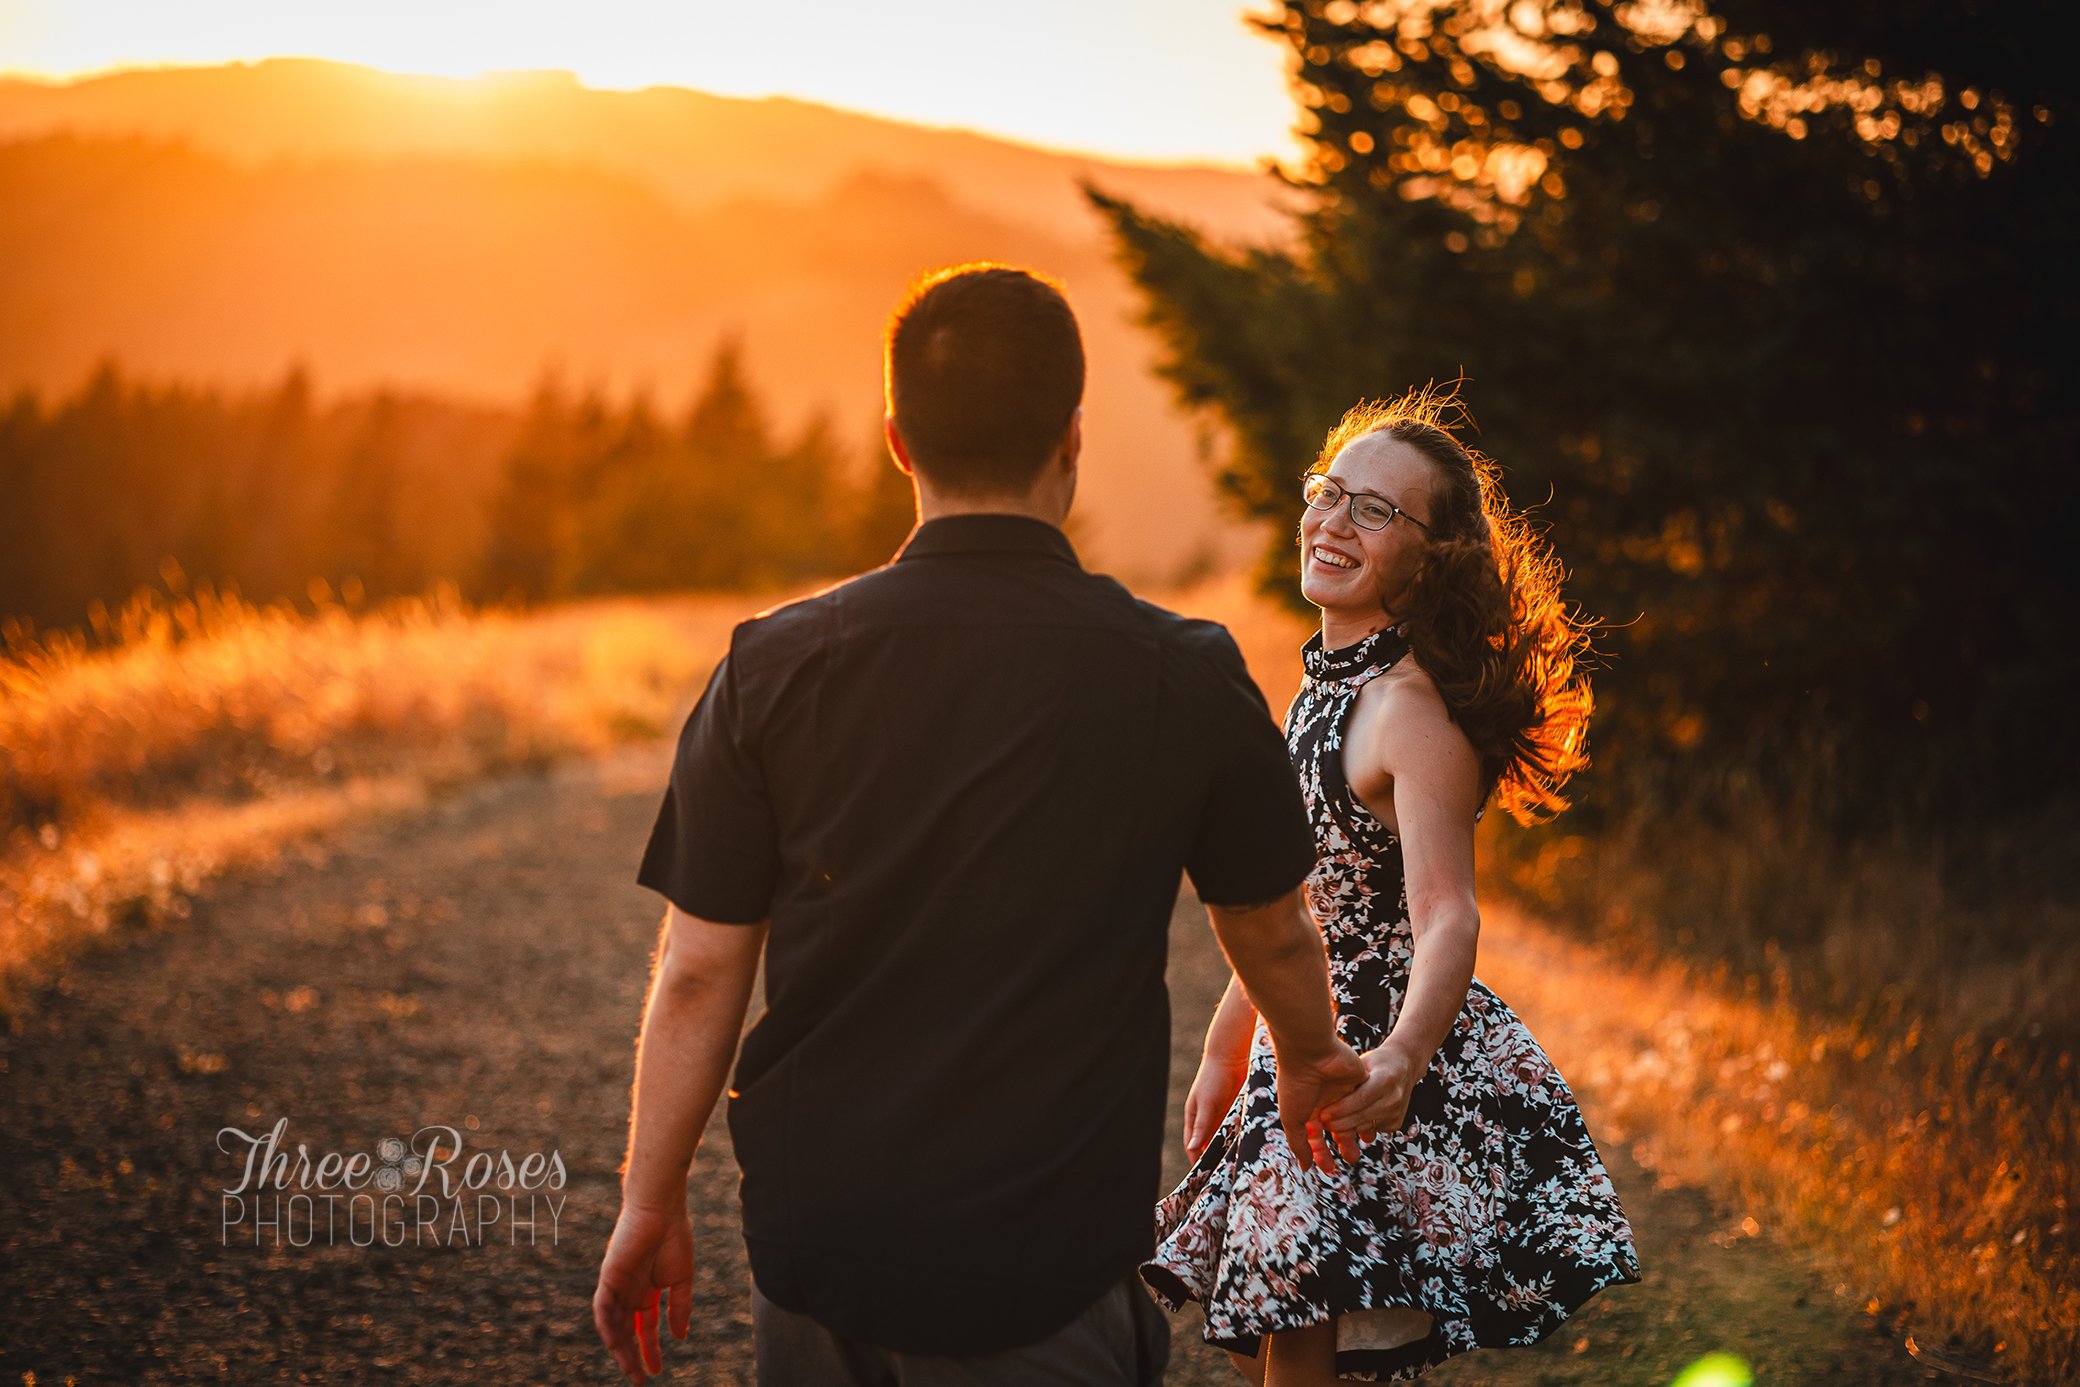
(1716,1370)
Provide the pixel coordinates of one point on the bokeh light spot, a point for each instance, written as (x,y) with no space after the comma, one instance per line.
(1716,1370)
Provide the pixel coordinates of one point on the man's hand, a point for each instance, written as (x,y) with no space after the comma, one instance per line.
(648,1267)
(699,990)
(1305,1087)
(1380,1102)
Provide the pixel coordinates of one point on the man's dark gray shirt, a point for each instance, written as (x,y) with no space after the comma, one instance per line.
(962,788)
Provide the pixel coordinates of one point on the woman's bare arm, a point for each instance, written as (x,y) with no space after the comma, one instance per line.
(1412,766)
(1222,1067)
(1228,1033)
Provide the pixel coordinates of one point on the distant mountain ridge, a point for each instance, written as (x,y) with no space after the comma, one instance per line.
(695,148)
(219,223)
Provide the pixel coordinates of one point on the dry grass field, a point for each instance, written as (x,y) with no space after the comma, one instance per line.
(196,733)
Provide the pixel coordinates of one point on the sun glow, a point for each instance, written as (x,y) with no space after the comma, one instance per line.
(1157,79)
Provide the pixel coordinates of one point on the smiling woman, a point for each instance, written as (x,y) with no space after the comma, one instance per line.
(1219,94)
(1477,591)
(1470,1207)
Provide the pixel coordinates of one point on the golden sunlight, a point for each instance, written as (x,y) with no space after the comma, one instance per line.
(1161,80)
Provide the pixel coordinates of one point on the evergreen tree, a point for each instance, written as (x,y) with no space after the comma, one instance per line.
(213,544)
(803,504)
(638,436)
(22,517)
(689,514)
(121,483)
(77,488)
(363,516)
(532,519)
(883,506)
(727,426)
(1770,299)
(278,520)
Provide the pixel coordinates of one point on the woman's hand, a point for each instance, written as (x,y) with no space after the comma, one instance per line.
(1380,1102)
(1213,1093)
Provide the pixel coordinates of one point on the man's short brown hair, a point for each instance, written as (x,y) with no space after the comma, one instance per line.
(984,371)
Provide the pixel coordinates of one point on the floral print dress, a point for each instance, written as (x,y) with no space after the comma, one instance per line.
(1485,1220)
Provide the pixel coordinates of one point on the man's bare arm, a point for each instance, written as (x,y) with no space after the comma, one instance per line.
(1278,957)
(1228,1033)
(700,988)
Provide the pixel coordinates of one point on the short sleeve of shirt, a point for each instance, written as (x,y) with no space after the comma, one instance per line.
(1253,843)
(713,852)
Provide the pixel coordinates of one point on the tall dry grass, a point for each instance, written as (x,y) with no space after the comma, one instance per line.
(1970,928)
(194,733)
(1935,1177)
(1869,1045)
(1879,1045)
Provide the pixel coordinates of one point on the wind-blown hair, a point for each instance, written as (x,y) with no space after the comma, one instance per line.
(1484,613)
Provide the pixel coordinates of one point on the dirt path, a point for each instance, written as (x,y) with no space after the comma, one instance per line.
(481,966)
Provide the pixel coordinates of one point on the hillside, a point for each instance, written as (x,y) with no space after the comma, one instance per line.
(694,148)
(219,223)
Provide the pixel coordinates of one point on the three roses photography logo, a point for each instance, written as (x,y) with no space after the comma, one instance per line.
(423,1190)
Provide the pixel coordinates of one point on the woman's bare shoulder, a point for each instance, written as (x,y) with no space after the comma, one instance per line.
(1409,717)
(1409,693)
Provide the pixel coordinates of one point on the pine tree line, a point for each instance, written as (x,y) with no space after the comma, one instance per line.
(270,492)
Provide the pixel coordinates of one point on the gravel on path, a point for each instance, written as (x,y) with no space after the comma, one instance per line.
(480,965)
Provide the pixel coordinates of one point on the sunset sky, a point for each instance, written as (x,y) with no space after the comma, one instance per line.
(1144,79)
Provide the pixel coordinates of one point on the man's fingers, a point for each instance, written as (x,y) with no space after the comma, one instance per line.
(1298,1138)
(646,1334)
(607,1318)
(682,1309)
(1325,1152)
(613,1321)
(637,1366)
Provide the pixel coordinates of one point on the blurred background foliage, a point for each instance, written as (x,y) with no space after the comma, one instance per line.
(1767,309)
(273,493)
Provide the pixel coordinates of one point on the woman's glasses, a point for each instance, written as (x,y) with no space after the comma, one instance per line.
(1368,512)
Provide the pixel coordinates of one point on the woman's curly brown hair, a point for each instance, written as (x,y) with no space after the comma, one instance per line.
(1484,614)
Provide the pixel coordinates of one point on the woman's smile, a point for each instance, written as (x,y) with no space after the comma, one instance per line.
(1355,572)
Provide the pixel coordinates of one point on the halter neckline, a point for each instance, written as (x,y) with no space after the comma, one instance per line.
(1357,662)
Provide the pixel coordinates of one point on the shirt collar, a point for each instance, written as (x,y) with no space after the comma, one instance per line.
(993,534)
